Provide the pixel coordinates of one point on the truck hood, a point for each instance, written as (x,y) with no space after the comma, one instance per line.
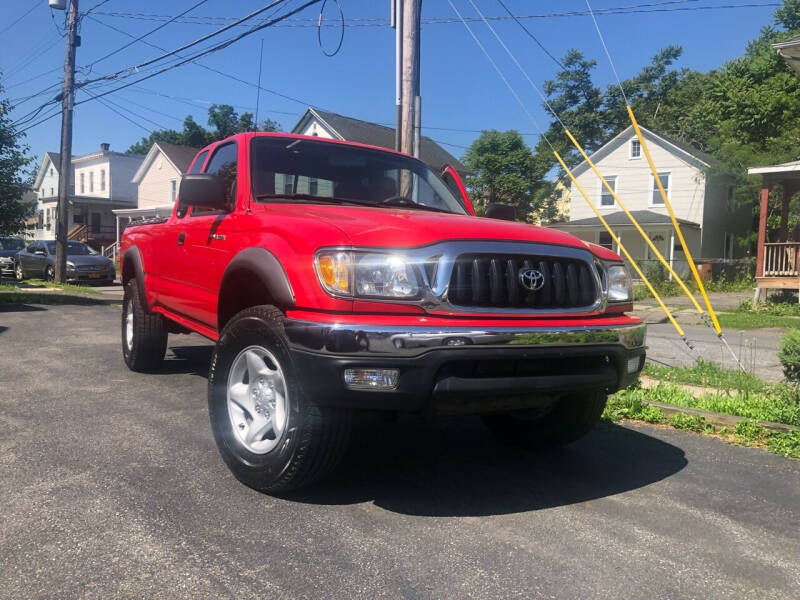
(392,227)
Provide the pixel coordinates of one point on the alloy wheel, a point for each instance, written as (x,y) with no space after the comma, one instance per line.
(258,402)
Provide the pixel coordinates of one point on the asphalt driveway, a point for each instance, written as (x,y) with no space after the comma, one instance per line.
(111,487)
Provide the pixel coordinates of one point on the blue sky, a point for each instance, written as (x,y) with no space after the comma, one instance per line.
(459,88)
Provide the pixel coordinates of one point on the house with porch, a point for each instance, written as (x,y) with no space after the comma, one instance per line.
(699,190)
(100,182)
(778,250)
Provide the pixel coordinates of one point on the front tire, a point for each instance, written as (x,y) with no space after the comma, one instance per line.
(272,437)
(144,334)
(19,274)
(568,420)
(49,273)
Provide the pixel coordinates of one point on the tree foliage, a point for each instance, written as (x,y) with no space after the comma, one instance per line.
(222,117)
(15,176)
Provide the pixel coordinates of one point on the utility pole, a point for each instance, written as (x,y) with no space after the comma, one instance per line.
(410,99)
(65,175)
(397,25)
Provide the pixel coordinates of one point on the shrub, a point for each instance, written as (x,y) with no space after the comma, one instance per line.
(690,423)
(789,355)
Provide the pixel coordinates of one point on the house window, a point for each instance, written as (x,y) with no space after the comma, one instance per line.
(604,240)
(656,193)
(83,184)
(51,171)
(173,189)
(91,181)
(102,180)
(288,184)
(606,199)
(313,187)
(51,192)
(636,149)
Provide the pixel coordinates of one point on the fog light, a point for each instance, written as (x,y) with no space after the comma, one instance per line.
(371,379)
(634,364)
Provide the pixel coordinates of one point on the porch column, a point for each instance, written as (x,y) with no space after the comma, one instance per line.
(671,251)
(762,227)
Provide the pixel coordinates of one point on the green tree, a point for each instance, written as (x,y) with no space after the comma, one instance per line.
(503,170)
(222,117)
(15,176)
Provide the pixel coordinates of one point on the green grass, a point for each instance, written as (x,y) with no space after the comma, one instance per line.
(746,320)
(778,402)
(67,287)
(630,404)
(707,374)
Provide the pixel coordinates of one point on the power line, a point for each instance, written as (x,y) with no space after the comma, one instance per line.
(141,37)
(35,4)
(650,7)
(213,70)
(199,40)
(608,54)
(533,37)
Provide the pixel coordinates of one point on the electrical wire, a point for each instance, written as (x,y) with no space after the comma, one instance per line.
(319,29)
(212,69)
(533,37)
(608,54)
(650,7)
(139,66)
(33,7)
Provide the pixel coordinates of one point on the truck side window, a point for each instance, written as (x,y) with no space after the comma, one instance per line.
(222,164)
(197,167)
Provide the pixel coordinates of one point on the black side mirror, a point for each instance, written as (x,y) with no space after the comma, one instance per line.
(202,190)
(504,212)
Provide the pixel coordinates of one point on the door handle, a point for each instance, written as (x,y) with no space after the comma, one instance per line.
(181,238)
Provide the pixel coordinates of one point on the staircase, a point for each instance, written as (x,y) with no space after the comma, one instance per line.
(79,233)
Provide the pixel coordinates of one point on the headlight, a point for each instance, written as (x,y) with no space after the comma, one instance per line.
(5,259)
(620,287)
(71,265)
(367,274)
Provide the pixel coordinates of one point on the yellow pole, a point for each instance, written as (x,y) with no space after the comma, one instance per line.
(685,247)
(635,223)
(621,247)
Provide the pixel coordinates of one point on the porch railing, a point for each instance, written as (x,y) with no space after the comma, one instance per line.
(782,259)
(111,251)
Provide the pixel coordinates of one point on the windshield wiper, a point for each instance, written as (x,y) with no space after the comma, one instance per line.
(312,198)
(402,202)
(335,200)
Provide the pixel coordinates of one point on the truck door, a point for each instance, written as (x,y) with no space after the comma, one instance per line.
(206,236)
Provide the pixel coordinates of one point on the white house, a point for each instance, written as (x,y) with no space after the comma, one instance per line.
(101,181)
(699,190)
(321,123)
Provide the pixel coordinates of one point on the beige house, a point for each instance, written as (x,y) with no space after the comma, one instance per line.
(700,192)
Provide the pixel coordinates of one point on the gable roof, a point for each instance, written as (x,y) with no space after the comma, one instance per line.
(178,156)
(52,158)
(620,219)
(374,134)
(685,152)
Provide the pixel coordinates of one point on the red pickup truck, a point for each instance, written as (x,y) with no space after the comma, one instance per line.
(336,277)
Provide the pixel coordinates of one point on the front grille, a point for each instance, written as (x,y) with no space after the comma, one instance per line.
(88,268)
(493,280)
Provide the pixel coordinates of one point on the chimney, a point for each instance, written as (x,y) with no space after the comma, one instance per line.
(104,147)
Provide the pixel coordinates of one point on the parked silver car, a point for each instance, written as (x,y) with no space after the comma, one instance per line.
(9,246)
(84,264)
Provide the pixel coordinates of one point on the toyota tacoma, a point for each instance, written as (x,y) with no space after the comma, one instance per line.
(336,277)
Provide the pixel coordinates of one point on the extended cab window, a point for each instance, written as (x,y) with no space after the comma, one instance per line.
(197,167)
(300,170)
(223,165)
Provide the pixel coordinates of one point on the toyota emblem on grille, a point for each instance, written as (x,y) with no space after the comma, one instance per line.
(531,279)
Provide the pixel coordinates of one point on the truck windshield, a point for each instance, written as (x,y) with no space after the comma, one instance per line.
(308,170)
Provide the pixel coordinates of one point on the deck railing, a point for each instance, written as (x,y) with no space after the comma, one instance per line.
(782,259)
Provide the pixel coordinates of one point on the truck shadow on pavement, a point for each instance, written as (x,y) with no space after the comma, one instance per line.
(455,468)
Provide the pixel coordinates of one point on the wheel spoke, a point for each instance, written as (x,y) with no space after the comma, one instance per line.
(255,366)
(240,394)
(279,416)
(258,427)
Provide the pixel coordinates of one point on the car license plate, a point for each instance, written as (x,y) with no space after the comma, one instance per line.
(94,275)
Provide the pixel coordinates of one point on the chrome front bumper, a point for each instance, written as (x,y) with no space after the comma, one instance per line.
(377,341)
